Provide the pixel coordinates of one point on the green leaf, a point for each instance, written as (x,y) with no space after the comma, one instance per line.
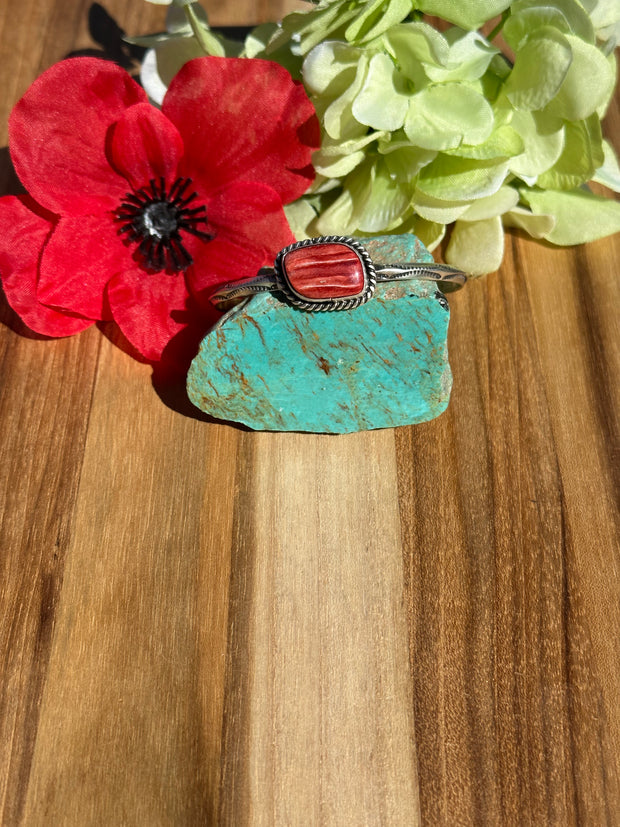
(539,71)
(443,117)
(581,156)
(587,85)
(452,179)
(379,103)
(580,215)
(476,247)
(469,14)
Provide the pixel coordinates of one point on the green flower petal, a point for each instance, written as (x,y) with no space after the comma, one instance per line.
(543,142)
(388,201)
(300,214)
(442,117)
(504,142)
(469,14)
(567,16)
(505,199)
(413,44)
(405,162)
(336,160)
(330,65)
(580,215)
(587,85)
(476,247)
(539,71)
(338,119)
(436,210)
(453,179)
(468,57)
(379,104)
(581,156)
(609,173)
(430,233)
(521,25)
(377,19)
(538,226)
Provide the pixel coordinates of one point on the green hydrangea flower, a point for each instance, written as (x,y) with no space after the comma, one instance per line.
(425,130)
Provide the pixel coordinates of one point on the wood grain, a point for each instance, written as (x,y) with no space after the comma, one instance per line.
(202,625)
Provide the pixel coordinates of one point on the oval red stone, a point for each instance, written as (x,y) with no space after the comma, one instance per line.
(324,271)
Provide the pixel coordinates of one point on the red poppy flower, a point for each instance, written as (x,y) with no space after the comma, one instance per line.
(135,213)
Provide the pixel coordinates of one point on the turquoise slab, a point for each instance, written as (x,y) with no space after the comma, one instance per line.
(274,367)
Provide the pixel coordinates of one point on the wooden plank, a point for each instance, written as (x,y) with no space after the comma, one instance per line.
(318,717)
(204,625)
(132,703)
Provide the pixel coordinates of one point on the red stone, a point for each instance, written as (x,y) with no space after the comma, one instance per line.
(324,271)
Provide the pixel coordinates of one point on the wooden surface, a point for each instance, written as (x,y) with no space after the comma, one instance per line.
(202,625)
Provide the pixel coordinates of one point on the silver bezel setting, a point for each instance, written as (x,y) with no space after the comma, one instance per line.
(323,305)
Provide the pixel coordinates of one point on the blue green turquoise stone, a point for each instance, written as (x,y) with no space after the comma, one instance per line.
(274,367)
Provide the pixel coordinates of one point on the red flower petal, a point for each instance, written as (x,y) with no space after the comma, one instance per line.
(149,309)
(145,145)
(244,120)
(249,228)
(81,256)
(24,234)
(58,132)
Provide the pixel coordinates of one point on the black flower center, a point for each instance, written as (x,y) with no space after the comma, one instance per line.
(155,218)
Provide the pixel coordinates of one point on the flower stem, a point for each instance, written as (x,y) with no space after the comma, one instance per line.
(500,25)
(205,37)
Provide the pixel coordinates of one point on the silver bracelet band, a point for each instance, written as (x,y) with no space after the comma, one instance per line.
(331,273)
